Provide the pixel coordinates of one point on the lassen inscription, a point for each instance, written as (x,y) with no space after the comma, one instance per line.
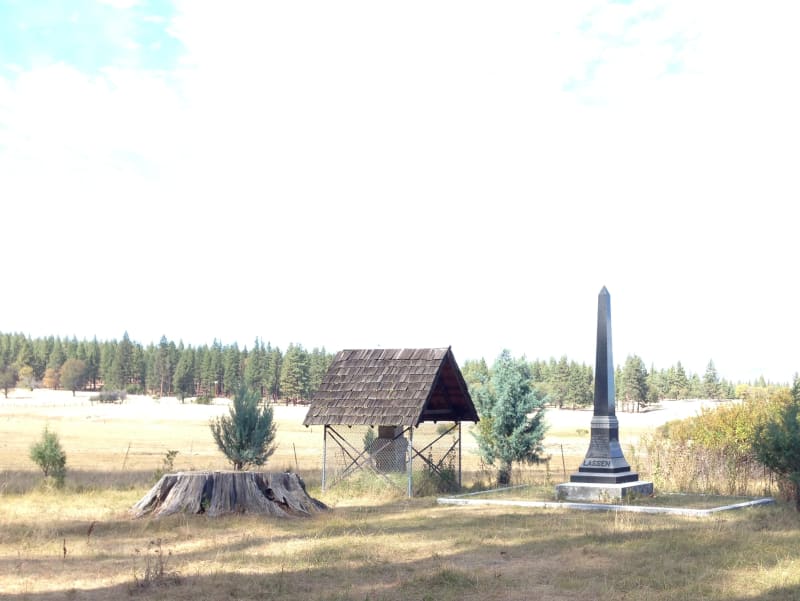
(597,463)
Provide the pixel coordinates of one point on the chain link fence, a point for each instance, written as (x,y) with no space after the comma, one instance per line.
(421,461)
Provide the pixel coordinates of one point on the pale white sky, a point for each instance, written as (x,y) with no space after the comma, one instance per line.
(361,174)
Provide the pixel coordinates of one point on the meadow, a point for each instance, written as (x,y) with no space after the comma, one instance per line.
(374,544)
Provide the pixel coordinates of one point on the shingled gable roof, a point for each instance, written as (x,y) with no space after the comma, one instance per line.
(391,387)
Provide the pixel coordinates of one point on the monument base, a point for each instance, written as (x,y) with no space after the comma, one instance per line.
(601,491)
(591,477)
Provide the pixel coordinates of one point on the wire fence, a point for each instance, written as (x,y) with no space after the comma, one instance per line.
(421,460)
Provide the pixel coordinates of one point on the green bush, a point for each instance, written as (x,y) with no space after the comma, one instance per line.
(369,438)
(430,481)
(445,428)
(108,396)
(167,465)
(50,457)
(713,452)
(203,399)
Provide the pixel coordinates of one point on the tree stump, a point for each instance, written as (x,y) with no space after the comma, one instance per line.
(219,493)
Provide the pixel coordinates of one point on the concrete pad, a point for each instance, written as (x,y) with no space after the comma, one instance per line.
(591,491)
(684,511)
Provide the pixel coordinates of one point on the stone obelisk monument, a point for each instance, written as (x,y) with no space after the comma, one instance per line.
(604,473)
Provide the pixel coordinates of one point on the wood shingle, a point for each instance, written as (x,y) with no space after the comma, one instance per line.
(391,387)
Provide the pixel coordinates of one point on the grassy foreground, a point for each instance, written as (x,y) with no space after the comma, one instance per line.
(365,549)
(80,543)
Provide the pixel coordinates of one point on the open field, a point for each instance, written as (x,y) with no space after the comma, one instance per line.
(132,437)
(80,543)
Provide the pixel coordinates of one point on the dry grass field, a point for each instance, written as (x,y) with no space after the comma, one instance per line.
(80,542)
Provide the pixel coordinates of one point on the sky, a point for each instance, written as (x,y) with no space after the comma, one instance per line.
(361,174)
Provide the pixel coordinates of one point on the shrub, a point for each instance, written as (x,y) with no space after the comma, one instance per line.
(713,452)
(443,428)
(203,399)
(430,481)
(167,465)
(369,438)
(108,396)
(50,457)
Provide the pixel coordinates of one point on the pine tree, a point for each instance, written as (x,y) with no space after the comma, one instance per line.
(634,382)
(138,368)
(512,424)
(121,368)
(559,384)
(57,356)
(580,385)
(40,354)
(71,347)
(183,378)
(213,369)
(162,367)
(272,376)
(319,362)
(231,372)
(246,435)
(711,381)
(24,356)
(93,354)
(294,376)
(255,368)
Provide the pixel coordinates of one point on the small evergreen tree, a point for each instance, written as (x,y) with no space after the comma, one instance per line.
(777,444)
(512,417)
(246,435)
(50,457)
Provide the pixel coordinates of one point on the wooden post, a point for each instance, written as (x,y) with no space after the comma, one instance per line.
(324,453)
(459,455)
(410,461)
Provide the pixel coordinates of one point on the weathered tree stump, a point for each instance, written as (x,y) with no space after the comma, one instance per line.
(218,493)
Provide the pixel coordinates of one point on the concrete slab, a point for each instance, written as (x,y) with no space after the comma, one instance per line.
(698,513)
(603,492)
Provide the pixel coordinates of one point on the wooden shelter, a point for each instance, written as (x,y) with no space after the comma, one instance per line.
(395,390)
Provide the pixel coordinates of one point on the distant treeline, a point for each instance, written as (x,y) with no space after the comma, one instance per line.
(162,369)
(169,369)
(569,384)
